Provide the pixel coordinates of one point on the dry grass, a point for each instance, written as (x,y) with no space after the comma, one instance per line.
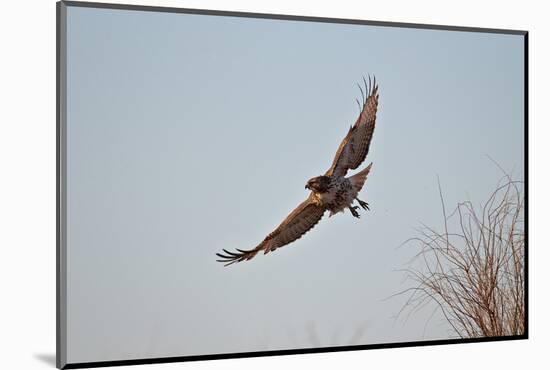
(473,269)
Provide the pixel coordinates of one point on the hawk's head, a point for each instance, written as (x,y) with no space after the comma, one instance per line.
(319,184)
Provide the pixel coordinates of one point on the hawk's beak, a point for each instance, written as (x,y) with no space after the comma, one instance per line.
(307,186)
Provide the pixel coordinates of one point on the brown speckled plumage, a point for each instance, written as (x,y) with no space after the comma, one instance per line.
(331,191)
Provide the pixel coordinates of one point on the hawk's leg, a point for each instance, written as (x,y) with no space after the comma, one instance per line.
(363,205)
(353,211)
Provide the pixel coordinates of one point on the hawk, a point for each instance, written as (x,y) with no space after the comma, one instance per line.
(333,191)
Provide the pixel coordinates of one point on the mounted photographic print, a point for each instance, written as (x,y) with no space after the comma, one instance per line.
(235,184)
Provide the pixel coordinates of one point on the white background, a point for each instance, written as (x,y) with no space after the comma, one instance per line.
(27,185)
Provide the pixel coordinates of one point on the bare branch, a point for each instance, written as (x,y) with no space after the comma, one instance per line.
(473,270)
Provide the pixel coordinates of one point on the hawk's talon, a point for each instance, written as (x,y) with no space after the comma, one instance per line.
(363,205)
(354,212)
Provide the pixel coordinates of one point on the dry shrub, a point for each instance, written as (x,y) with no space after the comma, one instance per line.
(473,270)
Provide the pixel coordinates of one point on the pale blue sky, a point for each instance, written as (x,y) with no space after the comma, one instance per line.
(191,133)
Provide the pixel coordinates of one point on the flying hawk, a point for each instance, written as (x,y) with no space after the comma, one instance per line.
(332,191)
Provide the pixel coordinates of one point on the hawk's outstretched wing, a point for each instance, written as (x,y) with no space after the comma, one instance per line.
(355,146)
(298,222)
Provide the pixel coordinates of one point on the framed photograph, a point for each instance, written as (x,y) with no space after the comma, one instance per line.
(235,184)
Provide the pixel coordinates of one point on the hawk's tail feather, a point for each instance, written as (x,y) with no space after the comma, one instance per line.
(358,180)
(230,258)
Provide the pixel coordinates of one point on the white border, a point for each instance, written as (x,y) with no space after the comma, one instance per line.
(27,188)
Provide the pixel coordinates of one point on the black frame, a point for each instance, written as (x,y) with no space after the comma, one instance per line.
(61,144)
